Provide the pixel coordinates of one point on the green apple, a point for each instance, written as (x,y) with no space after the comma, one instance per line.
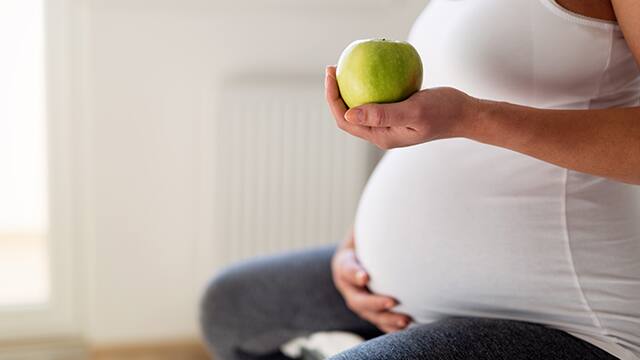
(378,71)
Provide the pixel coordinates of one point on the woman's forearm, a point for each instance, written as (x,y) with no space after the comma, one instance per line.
(599,142)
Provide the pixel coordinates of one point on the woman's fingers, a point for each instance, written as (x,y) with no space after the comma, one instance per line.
(388,319)
(375,309)
(362,300)
(350,270)
(379,123)
(388,329)
(338,107)
(354,275)
(351,279)
(332,93)
(397,114)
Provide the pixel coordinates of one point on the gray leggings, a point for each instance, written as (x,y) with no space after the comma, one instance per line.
(253,307)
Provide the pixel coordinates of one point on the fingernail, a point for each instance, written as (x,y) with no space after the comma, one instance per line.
(361,275)
(355,116)
(389,304)
(402,323)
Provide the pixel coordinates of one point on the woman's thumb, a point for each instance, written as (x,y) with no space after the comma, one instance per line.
(356,273)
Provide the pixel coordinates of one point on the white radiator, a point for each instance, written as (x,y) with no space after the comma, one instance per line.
(285,176)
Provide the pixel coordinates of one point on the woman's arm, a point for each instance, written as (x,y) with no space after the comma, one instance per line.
(598,142)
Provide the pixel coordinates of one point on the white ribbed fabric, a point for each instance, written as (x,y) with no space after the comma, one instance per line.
(455,227)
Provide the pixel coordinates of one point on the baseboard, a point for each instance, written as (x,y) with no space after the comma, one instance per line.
(45,349)
(76,349)
(174,350)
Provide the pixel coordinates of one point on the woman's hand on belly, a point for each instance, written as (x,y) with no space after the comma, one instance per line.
(351,280)
(427,115)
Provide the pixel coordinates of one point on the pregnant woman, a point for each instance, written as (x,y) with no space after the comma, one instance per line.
(504,223)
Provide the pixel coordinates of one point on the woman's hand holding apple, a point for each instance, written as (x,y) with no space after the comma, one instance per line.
(427,115)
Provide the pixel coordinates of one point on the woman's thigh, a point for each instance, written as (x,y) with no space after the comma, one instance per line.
(476,339)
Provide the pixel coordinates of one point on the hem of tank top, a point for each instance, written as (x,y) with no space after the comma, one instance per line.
(575,17)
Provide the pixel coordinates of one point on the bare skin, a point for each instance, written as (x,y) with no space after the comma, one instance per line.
(600,142)
(599,9)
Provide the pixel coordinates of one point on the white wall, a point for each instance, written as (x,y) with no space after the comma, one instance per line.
(146,73)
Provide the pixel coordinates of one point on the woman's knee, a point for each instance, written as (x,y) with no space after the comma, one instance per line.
(221,303)
(247,299)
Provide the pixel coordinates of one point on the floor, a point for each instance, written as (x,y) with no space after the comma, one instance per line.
(167,351)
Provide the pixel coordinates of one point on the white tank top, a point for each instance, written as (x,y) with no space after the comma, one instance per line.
(458,228)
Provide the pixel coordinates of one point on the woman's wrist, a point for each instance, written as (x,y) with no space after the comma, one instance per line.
(469,123)
(481,122)
(348,242)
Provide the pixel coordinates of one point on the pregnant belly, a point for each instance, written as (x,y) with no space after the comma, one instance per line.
(459,228)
